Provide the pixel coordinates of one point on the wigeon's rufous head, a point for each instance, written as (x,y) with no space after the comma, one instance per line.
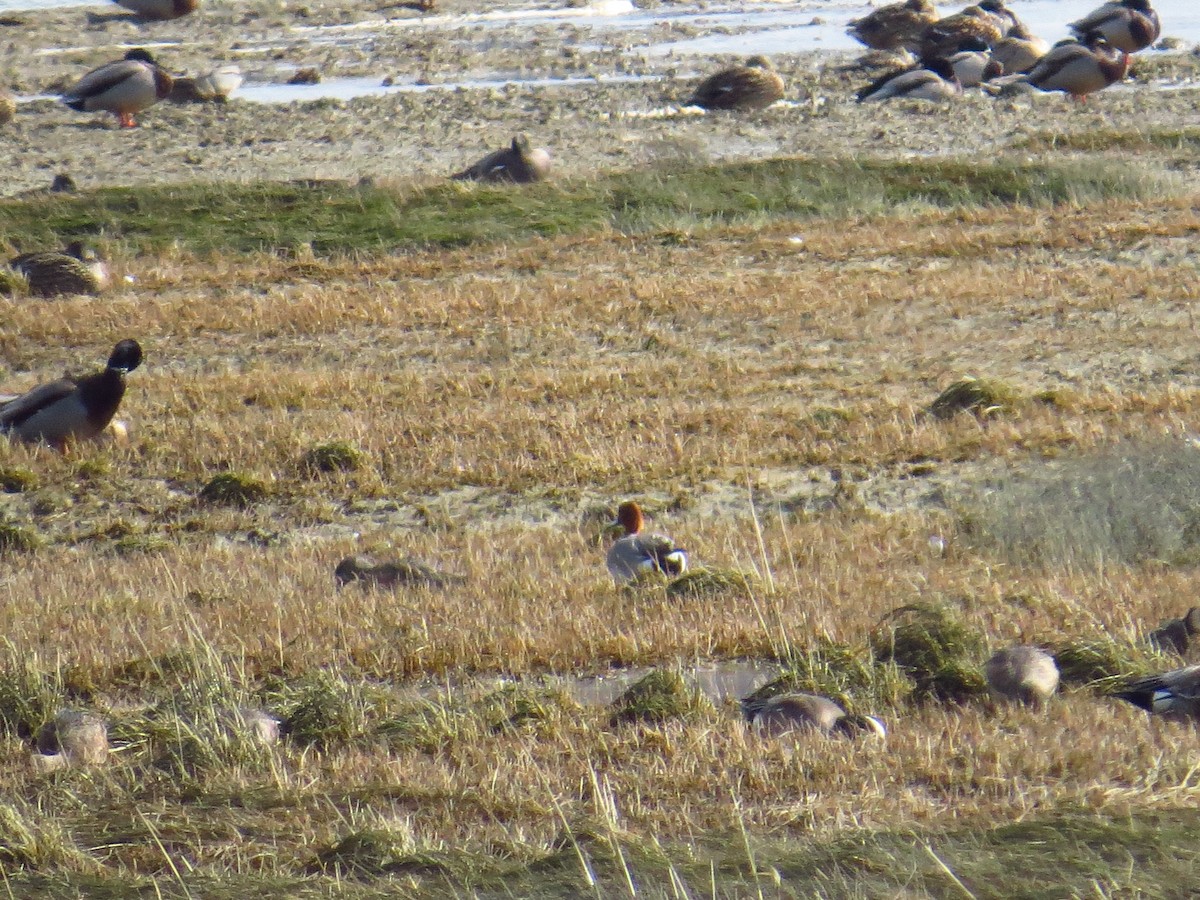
(629,518)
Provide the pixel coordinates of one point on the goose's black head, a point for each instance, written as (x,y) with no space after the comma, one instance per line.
(139,55)
(126,356)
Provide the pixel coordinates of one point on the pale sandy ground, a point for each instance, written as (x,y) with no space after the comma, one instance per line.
(431,134)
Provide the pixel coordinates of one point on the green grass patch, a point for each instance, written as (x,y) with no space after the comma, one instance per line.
(334,218)
(1175,140)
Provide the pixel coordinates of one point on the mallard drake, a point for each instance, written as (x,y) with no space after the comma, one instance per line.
(1019,50)
(1177,634)
(806,712)
(944,35)
(1022,674)
(124,87)
(74,737)
(637,554)
(160,10)
(1173,695)
(8,106)
(893,26)
(72,409)
(935,80)
(972,63)
(755,85)
(75,270)
(1079,68)
(517,164)
(397,573)
(1129,25)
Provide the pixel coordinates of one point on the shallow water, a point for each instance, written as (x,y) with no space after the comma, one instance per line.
(349,88)
(774,27)
(720,682)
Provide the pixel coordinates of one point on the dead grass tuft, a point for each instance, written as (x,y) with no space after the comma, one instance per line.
(984,397)
(697,584)
(232,489)
(660,696)
(338,456)
(934,648)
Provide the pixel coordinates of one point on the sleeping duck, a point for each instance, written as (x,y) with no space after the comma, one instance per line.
(160,10)
(124,87)
(1079,68)
(517,164)
(934,80)
(893,26)
(1129,25)
(72,409)
(75,270)
(972,63)
(1019,50)
(944,35)
(755,85)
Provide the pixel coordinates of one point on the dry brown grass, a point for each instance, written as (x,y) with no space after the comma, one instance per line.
(494,394)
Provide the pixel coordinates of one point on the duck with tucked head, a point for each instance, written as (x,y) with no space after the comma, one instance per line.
(972,63)
(516,164)
(755,85)
(637,554)
(77,269)
(934,80)
(123,88)
(1129,25)
(1019,50)
(1022,674)
(1173,695)
(8,106)
(72,409)
(160,10)
(391,574)
(806,712)
(893,26)
(944,35)
(1079,68)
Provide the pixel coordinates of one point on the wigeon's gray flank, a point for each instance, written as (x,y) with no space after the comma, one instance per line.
(1173,695)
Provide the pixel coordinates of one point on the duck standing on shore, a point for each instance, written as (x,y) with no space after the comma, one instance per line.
(124,87)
